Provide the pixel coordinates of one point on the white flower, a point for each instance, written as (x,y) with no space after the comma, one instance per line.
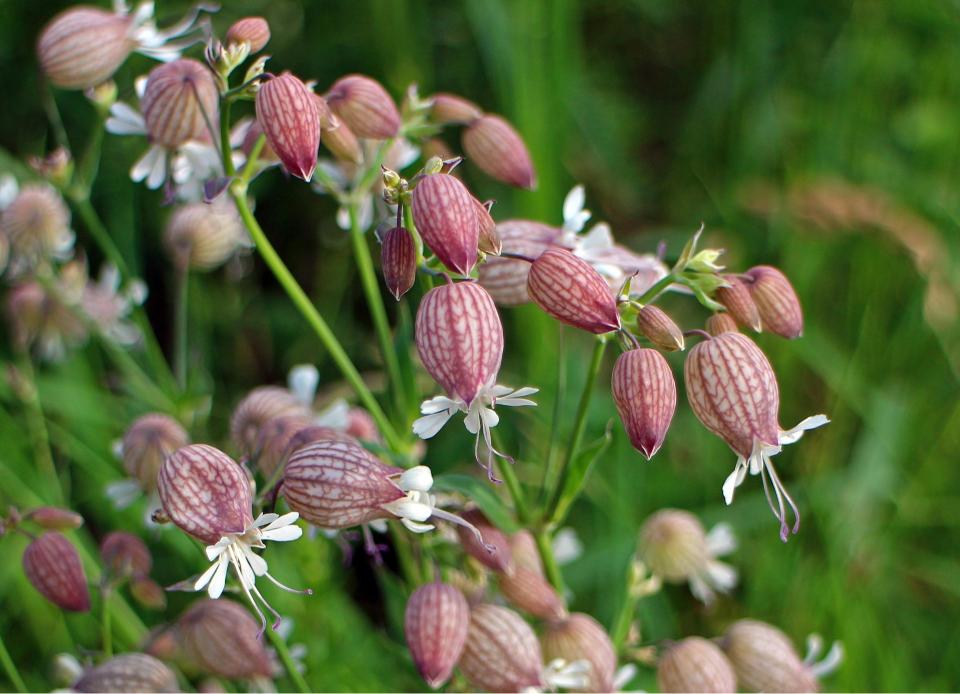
(715,576)
(831,661)
(481,416)
(237,550)
(566,546)
(302,381)
(163,45)
(560,674)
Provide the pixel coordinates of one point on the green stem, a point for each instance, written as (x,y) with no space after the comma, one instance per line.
(312,316)
(550,566)
(408,565)
(10,668)
(106,632)
(180,326)
(225,150)
(548,467)
(368,278)
(515,490)
(658,288)
(37,427)
(579,425)
(621,628)
(283,653)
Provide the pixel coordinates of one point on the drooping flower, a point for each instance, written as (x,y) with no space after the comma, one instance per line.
(580,637)
(738,301)
(258,407)
(695,665)
(502,653)
(496,147)
(732,389)
(646,396)
(220,638)
(500,558)
(36,227)
(573,292)
(435,624)
(365,106)
(208,496)
(398,261)
(529,591)
(446,219)
(254,31)
(659,328)
(506,278)
(776,301)
(451,108)
(128,672)
(203,236)
(287,113)
(52,566)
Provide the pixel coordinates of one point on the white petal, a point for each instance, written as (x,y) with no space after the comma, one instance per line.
(206,576)
(418,478)
(412,510)
(303,381)
(721,540)
(623,676)
(335,416)
(428,426)
(566,546)
(472,420)
(283,521)
(599,238)
(721,576)
(416,527)
(257,563)
(8,190)
(219,580)
(265,518)
(573,208)
(516,402)
(734,480)
(282,534)
(441,403)
(125,120)
(701,590)
(794,434)
(215,550)
(247,577)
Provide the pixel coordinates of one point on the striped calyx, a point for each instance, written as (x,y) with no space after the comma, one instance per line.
(497,149)
(273,444)
(180,103)
(695,665)
(580,637)
(460,338)
(659,328)
(765,660)
(570,290)
(220,637)
(337,484)
(125,555)
(494,551)
(736,298)
(365,106)
(130,672)
(435,625)
(287,113)
(260,406)
(488,240)
(776,301)
(450,108)
(147,443)
(53,567)
(733,391)
(502,653)
(83,46)
(528,591)
(646,396)
(205,493)
(203,236)
(673,545)
(336,135)
(53,518)
(254,31)
(445,216)
(398,261)
(37,224)
(721,323)
(506,278)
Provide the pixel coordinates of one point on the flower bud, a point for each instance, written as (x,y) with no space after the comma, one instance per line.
(260,406)
(203,236)
(39,318)
(529,591)
(659,328)
(287,112)
(776,301)
(489,240)
(447,109)
(205,493)
(765,659)
(398,260)
(646,397)
(250,30)
(364,105)
(148,592)
(125,554)
(506,278)
(147,443)
(460,338)
(273,444)
(37,224)
(180,103)
(494,146)
(721,323)
(501,558)
(737,300)
(83,46)
(130,672)
(446,219)
(52,518)
(570,290)
(53,567)
(695,665)
(335,484)
(221,638)
(56,167)
(673,545)
(502,653)
(360,425)
(342,143)
(435,624)
(580,637)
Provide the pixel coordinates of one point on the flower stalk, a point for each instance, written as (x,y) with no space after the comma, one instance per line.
(283,653)
(10,668)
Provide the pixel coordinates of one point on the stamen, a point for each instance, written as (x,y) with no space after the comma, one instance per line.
(304,591)
(453,518)
(793,505)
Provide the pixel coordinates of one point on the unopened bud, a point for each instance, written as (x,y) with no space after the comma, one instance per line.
(527,590)
(776,301)
(53,567)
(580,637)
(506,278)
(130,672)
(646,396)
(450,108)
(695,665)
(492,144)
(446,218)
(125,554)
(180,103)
(260,406)
(273,444)
(502,653)
(573,292)
(37,224)
(83,46)
(365,106)
(765,660)
(254,31)
(52,518)
(398,260)
(148,592)
(523,549)
(721,323)
(435,624)
(147,443)
(203,236)
(673,545)
(489,240)
(221,638)
(287,112)
(500,559)
(659,328)
(737,300)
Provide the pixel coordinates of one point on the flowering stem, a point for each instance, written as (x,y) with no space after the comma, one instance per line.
(310,313)
(37,427)
(180,326)
(550,566)
(658,288)
(284,654)
(368,278)
(621,627)
(106,634)
(579,425)
(10,668)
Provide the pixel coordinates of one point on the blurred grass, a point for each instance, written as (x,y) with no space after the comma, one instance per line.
(668,112)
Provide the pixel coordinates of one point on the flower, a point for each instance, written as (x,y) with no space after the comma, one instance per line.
(436,620)
(35,224)
(695,665)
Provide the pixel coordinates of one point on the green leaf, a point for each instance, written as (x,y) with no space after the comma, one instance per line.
(580,468)
(483,494)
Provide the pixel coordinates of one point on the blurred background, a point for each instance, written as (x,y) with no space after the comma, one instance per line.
(818,136)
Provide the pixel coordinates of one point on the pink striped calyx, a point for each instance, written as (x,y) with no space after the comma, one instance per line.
(129,672)
(573,292)
(253,31)
(53,567)
(54,518)
(659,328)
(488,240)
(180,103)
(776,301)
(736,298)
(580,637)
(501,558)
(450,108)
(287,113)
(125,555)
(502,653)
(695,665)
(528,591)
(435,625)
(506,278)
(220,638)
(733,391)
(646,397)
(365,106)
(497,149)
(83,46)
(398,261)
(446,218)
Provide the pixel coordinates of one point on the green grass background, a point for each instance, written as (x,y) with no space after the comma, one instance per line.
(728,113)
